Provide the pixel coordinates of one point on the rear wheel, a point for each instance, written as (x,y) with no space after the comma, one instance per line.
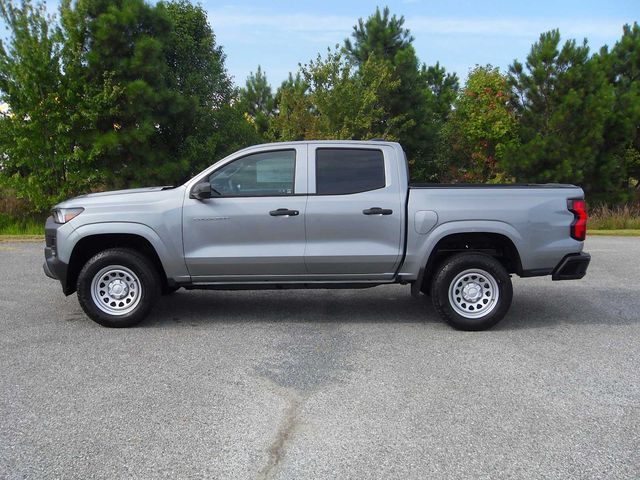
(472,291)
(118,287)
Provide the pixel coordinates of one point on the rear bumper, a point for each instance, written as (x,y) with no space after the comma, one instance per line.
(572,267)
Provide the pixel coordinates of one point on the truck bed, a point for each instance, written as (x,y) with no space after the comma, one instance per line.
(534,217)
(491,185)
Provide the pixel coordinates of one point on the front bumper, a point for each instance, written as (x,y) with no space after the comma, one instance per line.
(47,270)
(572,267)
(53,267)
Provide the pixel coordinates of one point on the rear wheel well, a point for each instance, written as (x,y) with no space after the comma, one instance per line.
(88,246)
(493,244)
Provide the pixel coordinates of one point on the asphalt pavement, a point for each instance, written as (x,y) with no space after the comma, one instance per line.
(324,384)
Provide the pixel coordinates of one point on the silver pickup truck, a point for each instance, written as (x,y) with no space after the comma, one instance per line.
(330,214)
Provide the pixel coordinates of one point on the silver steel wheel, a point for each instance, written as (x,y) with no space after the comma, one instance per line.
(474,293)
(116,290)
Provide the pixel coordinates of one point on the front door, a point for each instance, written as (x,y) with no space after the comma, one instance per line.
(253,226)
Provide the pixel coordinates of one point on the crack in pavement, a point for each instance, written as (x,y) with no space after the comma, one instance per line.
(284,433)
(302,366)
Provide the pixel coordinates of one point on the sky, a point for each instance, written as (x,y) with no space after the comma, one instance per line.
(280,34)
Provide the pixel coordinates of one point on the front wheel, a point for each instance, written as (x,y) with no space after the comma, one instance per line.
(472,291)
(118,287)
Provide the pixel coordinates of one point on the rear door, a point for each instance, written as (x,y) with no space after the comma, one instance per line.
(254,229)
(354,212)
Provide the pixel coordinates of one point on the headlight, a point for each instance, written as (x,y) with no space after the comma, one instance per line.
(63,215)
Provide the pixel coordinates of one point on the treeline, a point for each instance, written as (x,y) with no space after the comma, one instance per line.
(564,115)
(119,93)
(112,94)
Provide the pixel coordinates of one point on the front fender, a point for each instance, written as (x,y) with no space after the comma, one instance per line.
(170,255)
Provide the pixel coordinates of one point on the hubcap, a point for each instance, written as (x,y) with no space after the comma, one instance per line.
(116,290)
(474,293)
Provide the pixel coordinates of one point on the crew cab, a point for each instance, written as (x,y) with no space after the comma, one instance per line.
(316,214)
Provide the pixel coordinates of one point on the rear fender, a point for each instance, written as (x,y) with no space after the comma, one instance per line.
(417,261)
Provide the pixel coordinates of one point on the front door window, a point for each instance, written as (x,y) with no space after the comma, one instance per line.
(257,175)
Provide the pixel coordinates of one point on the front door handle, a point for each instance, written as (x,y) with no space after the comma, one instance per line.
(284,212)
(377,211)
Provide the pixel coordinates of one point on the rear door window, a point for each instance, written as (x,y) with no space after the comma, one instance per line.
(342,171)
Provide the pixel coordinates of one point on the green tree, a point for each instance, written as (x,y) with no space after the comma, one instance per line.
(420,92)
(335,100)
(563,101)
(480,128)
(293,89)
(36,155)
(442,91)
(292,110)
(382,35)
(257,101)
(619,157)
(212,124)
(122,41)
(291,83)
(116,94)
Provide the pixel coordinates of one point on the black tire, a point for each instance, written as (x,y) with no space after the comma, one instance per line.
(148,287)
(449,307)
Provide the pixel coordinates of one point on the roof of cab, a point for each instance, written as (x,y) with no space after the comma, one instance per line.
(374,141)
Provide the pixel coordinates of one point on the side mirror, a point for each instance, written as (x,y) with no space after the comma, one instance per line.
(201,191)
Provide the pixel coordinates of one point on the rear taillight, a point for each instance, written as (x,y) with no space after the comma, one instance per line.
(578,207)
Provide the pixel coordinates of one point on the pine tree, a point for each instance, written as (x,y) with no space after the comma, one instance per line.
(124,45)
(420,92)
(619,158)
(257,101)
(211,124)
(562,100)
(115,93)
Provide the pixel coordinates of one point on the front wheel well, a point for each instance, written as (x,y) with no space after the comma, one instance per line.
(493,244)
(88,246)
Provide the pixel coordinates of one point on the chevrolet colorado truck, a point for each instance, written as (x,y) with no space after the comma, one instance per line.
(317,214)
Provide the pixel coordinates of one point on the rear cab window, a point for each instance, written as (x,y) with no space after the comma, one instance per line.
(342,171)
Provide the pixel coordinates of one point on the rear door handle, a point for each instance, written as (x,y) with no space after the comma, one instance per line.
(377,211)
(284,212)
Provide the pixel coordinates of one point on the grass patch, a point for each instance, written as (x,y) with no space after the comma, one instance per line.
(621,233)
(625,217)
(21,238)
(21,226)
